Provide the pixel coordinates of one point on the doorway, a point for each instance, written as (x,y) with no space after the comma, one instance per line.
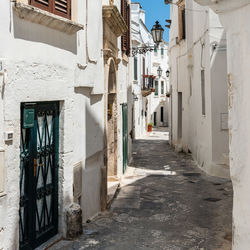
(112,123)
(38,173)
(125,135)
(179,115)
(155,118)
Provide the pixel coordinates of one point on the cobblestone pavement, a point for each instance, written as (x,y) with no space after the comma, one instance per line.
(165,202)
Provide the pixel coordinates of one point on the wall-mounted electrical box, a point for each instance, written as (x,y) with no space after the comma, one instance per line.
(2,173)
(8,136)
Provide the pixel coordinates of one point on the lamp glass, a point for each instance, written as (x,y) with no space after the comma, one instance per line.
(159,71)
(157,33)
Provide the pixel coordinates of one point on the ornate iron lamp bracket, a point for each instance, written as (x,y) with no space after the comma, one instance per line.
(141,50)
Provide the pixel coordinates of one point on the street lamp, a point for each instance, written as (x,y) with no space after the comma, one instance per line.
(159,71)
(157,34)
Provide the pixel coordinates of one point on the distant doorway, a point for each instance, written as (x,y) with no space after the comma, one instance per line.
(179,115)
(162,114)
(155,118)
(112,122)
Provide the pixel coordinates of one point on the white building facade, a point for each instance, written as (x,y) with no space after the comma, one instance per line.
(53,115)
(158,101)
(234,16)
(199,86)
(149,90)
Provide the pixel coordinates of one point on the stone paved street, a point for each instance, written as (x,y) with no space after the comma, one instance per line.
(165,202)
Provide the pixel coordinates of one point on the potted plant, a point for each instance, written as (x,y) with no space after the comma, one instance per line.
(150,127)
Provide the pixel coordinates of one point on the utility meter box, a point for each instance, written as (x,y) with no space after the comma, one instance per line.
(2,173)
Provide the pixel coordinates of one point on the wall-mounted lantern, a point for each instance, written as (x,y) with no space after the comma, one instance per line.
(159,71)
(157,34)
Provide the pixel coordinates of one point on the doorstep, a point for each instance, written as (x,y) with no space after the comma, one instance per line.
(113,186)
(51,242)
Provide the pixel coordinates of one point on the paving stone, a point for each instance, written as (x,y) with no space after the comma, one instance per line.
(160,208)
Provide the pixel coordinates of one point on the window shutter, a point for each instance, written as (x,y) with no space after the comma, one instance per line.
(125,39)
(128,31)
(42,4)
(135,69)
(57,7)
(156,87)
(62,8)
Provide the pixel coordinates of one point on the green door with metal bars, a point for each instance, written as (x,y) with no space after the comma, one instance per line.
(125,135)
(38,173)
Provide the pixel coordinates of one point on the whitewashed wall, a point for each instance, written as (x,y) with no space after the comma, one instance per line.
(140,36)
(203,135)
(156,102)
(41,64)
(238,35)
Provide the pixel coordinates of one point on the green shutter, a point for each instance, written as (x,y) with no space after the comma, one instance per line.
(156,88)
(135,69)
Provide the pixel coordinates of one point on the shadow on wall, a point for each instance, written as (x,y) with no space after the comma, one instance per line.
(94,181)
(41,34)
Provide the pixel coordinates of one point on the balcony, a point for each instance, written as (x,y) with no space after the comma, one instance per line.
(147,86)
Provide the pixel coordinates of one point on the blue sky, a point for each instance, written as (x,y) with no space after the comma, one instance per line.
(156,10)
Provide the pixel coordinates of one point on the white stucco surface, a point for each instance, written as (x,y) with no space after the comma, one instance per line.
(204,48)
(43,64)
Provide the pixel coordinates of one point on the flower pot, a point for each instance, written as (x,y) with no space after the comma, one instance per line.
(150,128)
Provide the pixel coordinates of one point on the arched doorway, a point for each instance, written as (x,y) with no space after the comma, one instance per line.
(112,123)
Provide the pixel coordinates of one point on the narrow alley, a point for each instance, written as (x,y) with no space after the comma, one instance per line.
(164,202)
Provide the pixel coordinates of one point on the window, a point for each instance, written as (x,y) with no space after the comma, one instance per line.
(125,12)
(57,7)
(162,88)
(203,94)
(155,49)
(135,68)
(156,88)
(162,114)
(182,21)
(143,72)
(162,51)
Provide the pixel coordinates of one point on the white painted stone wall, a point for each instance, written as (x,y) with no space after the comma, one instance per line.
(205,135)
(234,15)
(140,36)
(41,65)
(160,100)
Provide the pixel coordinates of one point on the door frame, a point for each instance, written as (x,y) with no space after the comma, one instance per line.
(34,239)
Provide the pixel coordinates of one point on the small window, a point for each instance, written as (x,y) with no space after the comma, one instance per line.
(156,88)
(57,7)
(162,51)
(182,21)
(203,94)
(162,88)
(143,72)
(155,49)
(162,114)
(135,68)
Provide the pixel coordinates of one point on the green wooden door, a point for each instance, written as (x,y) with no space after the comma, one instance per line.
(125,135)
(38,173)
